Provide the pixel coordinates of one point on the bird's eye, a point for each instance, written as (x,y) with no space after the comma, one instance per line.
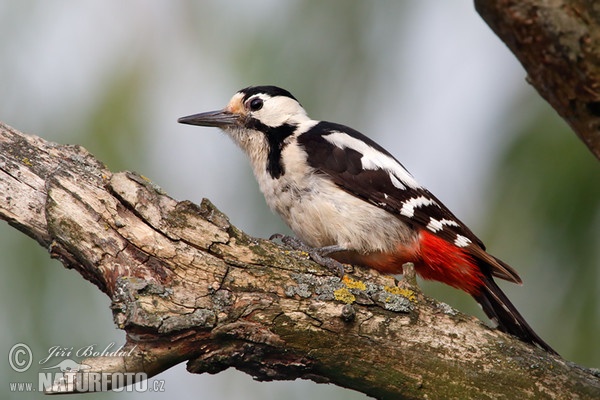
(256,104)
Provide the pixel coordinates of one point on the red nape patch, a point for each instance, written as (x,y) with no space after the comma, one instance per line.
(444,262)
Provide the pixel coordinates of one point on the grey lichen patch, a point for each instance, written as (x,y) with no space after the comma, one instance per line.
(593,371)
(446,309)
(367,293)
(302,290)
(140,317)
(136,301)
(222,299)
(127,286)
(155,288)
(307,285)
(200,318)
(392,301)
(349,290)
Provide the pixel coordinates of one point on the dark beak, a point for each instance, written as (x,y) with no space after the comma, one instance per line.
(220,119)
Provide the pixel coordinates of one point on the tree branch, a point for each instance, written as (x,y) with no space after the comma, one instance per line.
(557,43)
(186,285)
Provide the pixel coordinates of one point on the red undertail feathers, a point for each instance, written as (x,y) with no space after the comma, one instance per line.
(471,269)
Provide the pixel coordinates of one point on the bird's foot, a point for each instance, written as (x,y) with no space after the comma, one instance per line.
(318,254)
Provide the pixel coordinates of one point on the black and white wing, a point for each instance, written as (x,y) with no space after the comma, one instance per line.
(365,169)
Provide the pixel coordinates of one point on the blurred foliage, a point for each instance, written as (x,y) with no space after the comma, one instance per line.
(113,130)
(334,45)
(546,207)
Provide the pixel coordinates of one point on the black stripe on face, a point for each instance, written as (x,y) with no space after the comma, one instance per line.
(276,140)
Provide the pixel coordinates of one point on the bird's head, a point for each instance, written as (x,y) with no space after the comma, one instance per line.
(262,120)
(264,109)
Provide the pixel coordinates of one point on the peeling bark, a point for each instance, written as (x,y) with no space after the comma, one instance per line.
(187,285)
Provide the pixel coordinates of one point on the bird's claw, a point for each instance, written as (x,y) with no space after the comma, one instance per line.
(318,255)
(292,242)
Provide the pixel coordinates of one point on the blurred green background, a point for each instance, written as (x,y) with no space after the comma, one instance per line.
(426,79)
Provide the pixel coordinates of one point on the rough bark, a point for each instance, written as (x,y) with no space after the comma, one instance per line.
(558,44)
(186,285)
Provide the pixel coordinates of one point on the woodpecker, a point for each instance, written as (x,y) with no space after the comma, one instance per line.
(344,194)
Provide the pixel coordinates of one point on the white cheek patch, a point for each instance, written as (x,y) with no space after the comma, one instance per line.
(408,207)
(374,159)
(279,110)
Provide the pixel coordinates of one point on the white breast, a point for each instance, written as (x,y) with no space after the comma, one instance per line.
(322,214)
(318,211)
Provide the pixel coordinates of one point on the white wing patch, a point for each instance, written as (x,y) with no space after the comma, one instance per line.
(408,207)
(374,159)
(396,182)
(461,241)
(435,225)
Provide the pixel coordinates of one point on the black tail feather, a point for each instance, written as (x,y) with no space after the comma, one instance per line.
(499,308)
